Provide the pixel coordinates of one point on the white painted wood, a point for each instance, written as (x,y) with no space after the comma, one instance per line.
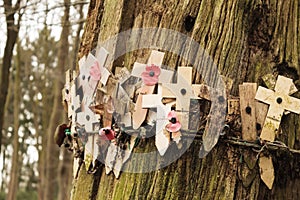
(95,150)
(139,115)
(177,137)
(279,101)
(156,58)
(162,142)
(285,85)
(81,62)
(73,103)
(123,156)
(164,77)
(110,157)
(126,119)
(101,56)
(174,90)
(75,167)
(270,129)
(84,79)
(87,118)
(267,171)
(88,152)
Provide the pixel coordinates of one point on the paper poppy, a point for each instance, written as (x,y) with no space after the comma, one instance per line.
(174,124)
(150,76)
(107,133)
(95,71)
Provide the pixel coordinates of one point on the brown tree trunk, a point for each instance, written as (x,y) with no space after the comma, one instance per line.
(14,173)
(12,34)
(65,175)
(52,152)
(246,39)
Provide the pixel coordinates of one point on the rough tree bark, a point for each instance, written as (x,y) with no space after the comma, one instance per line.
(12,28)
(246,39)
(14,172)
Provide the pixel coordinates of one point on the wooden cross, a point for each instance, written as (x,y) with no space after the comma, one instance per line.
(162,142)
(279,101)
(91,150)
(87,118)
(101,56)
(155,58)
(85,64)
(84,79)
(74,106)
(123,156)
(116,157)
(248,110)
(183,91)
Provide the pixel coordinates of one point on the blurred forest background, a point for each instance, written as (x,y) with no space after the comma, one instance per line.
(39,41)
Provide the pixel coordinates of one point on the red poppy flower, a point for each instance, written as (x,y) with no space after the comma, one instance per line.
(150,76)
(95,71)
(107,133)
(174,124)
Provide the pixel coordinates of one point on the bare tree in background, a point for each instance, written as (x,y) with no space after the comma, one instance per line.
(12,27)
(56,118)
(246,39)
(14,173)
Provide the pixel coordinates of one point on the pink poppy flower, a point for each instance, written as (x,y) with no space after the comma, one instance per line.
(174,124)
(95,71)
(107,133)
(150,76)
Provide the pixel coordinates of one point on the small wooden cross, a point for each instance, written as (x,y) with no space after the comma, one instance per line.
(116,157)
(101,56)
(84,79)
(85,64)
(74,106)
(91,150)
(183,91)
(155,58)
(154,101)
(248,110)
(87,118)
(279,101)
(123,156)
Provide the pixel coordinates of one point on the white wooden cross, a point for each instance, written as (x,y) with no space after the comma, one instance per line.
(155,58)
(87,117)
(162,142)
(84,79)
(279,102)
(85,64)
(91,150)
(101,56)
(116,157)
(183,91)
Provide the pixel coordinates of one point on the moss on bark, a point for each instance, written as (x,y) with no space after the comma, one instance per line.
(246,39)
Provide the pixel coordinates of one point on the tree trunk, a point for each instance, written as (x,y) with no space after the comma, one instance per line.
(246,39)
(52,152)
(14,173)
(12,34)
(65,175)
